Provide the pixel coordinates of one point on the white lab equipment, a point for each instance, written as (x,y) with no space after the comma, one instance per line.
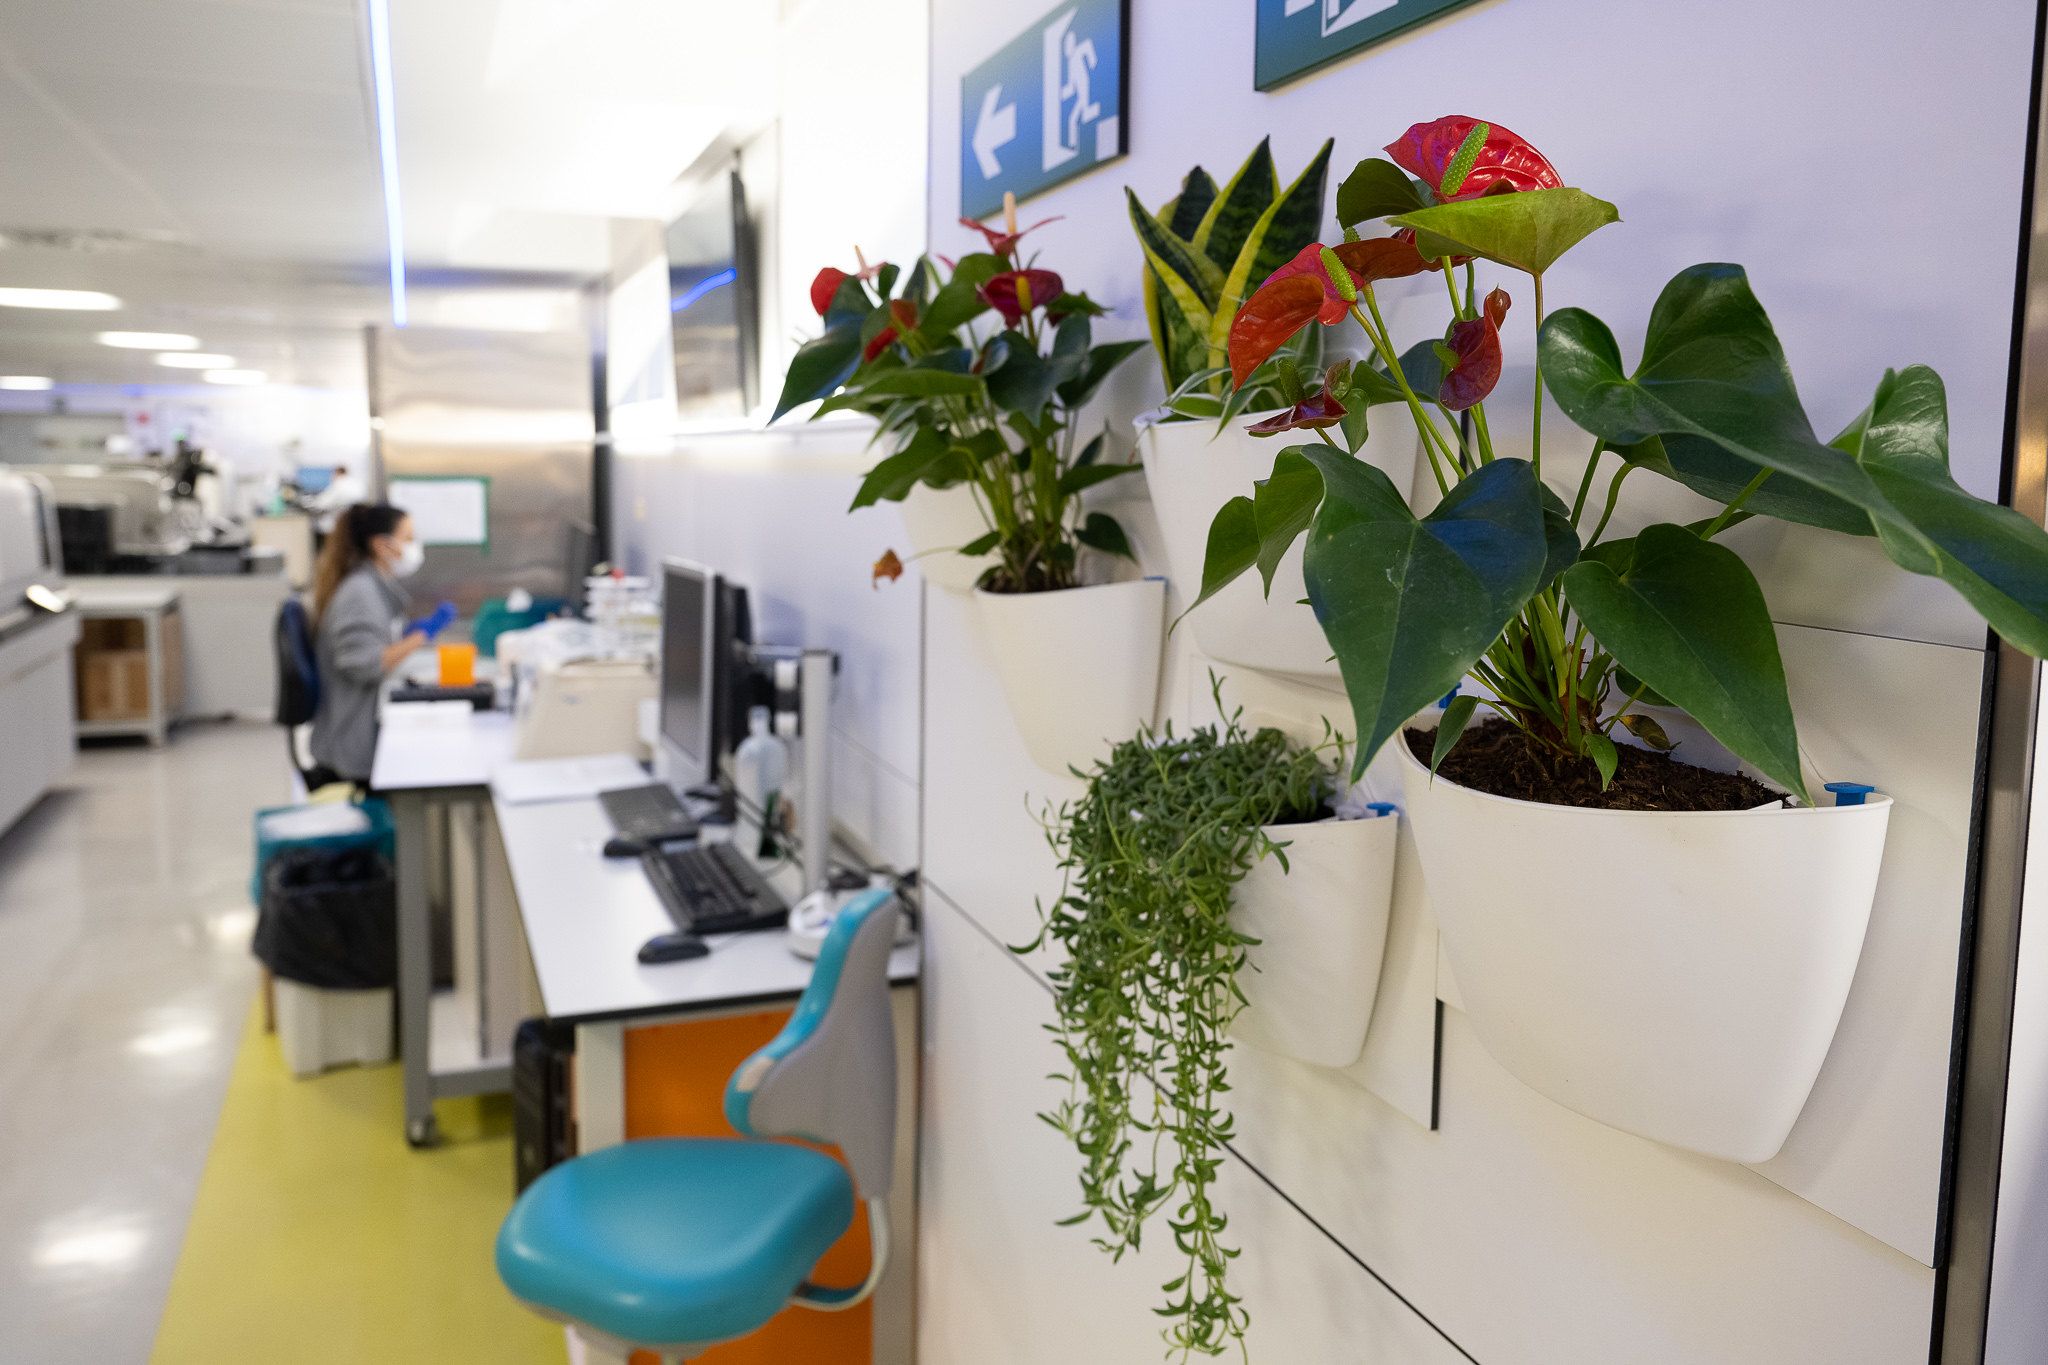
(761,770)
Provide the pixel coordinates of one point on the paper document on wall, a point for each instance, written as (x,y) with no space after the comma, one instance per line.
(532,781)
(445,511)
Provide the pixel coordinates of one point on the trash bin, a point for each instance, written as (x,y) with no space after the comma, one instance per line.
(328,932)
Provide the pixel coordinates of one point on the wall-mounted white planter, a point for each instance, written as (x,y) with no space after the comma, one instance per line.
(938,521)
(1675,975)
(1080,668)
(1310,980)
(1192,470)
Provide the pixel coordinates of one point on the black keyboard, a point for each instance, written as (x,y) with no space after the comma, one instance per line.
(713,889)
(649,814)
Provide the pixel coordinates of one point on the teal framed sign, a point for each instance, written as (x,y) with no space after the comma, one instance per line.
(1297,36)
(1046,107)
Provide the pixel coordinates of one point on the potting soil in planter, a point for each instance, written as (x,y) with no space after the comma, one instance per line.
(1497,758)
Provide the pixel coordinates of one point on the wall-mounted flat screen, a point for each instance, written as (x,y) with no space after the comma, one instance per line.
(714,304)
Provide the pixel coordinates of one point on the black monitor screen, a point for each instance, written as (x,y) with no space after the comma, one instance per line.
(711,303)
(687,716)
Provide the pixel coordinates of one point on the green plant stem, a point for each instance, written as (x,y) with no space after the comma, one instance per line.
(1433,442)
(1586,481)
(1613,496)
(1727,514)
(1536,415)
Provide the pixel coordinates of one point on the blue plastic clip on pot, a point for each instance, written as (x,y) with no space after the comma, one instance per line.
(1379,808)
(1449,697)
(1850,793)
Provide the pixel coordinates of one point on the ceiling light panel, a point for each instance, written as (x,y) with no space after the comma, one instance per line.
(149,341)
(63,300)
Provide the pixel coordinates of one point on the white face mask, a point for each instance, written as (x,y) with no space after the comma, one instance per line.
(410,557)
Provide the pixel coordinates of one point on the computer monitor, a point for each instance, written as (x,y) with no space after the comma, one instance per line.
(689,674)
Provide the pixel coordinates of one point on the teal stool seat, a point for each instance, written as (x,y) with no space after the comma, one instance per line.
(675,1240)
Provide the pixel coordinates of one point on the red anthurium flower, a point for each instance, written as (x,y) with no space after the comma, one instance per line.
(880,342)
(1266,320)
(903,317)
(1302,292)
(1506,162)
(1477,342)
(1004,243)
(1016,292)
(1320,409)
(826,287)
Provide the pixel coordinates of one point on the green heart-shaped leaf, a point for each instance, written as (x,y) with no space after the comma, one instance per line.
(1409,604)
(1376,189)
(1528,231)
(1688,618)
(820,366)
(1712,369)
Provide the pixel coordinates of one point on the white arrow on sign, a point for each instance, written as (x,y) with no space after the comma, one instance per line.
(992,130)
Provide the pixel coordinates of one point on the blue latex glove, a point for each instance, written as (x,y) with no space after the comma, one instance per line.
(432,625)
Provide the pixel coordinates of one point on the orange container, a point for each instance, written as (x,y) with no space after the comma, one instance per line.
(458,665)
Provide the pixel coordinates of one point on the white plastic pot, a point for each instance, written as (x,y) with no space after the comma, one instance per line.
(938,521)
(1192,469)
(1310,980)
(1080,667)
(1677,975)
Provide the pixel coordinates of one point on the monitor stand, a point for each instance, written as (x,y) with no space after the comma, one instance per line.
(814,819)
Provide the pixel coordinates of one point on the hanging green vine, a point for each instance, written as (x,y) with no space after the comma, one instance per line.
(1150,855)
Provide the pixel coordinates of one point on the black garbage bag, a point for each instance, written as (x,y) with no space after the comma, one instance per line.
(330,919)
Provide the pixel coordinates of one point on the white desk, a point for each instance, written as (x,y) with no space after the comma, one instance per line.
(586,916)
(440,763)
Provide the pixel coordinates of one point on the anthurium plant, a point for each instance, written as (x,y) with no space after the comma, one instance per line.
(973,371)
(1517,585)
(1205,250)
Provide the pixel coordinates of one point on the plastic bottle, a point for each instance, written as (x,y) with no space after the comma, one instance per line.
(760,769)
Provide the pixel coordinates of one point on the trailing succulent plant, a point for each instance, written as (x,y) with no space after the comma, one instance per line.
(1206,249)
(1151,854)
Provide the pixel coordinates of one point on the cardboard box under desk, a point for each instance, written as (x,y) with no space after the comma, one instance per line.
(113,669)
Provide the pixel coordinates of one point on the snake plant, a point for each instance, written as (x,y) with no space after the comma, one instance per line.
(1206,250)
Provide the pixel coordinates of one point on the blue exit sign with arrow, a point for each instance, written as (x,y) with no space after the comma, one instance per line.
(1045,108)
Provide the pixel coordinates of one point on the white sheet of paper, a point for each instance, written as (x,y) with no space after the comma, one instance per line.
(531,781)
(445,511)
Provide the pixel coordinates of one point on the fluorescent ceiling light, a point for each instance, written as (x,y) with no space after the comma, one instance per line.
(149,341)
(235,377)
(195,360)
(26,381)
(387,152)
(70,300)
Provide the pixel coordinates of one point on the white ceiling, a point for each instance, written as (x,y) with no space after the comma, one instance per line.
(214,162)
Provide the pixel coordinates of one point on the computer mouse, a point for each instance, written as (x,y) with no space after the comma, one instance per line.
(623,846)
(673,948)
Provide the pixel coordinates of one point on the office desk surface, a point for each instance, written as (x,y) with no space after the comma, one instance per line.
(422,755)
(586,916)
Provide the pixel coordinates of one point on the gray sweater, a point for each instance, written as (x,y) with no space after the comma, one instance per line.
(365,615)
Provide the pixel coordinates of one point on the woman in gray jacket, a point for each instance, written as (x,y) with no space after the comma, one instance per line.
(360,632)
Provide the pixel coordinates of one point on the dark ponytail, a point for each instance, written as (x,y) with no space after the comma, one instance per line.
(348,546)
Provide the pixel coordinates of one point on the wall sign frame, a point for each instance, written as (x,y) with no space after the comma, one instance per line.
(1296,37)
(1048,106)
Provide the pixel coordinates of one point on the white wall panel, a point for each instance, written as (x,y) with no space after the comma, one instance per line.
(1000,1285)
(1731,131)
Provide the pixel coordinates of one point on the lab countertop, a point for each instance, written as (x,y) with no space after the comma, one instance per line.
(586,916)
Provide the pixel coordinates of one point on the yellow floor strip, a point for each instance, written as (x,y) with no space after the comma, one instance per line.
(319,1236)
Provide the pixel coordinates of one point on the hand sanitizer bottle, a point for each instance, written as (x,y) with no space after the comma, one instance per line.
(760,769)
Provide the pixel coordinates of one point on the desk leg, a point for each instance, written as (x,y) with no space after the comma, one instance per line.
(415,967)
(600,1085)
(157,684)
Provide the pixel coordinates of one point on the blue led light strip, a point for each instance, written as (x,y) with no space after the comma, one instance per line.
(703,287)
(387,151)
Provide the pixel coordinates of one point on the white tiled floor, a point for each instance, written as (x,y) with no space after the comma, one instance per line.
(125,978)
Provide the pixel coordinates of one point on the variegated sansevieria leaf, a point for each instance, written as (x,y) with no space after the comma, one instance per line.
(1291,222)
